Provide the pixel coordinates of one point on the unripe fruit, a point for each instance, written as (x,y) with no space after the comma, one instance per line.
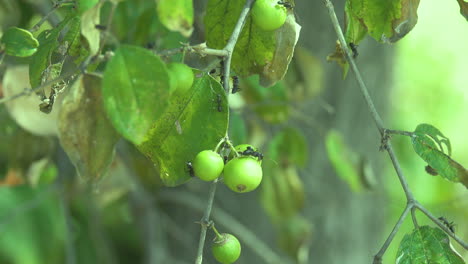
(226,249)
(181,76)
(208,165)
(243,174)
(268,14)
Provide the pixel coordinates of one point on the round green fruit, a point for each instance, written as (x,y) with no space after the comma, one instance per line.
(208,165)
(181,76)
(226,249)
(243,174)
(268,14)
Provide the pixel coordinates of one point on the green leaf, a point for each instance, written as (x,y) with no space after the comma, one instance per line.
(427,245)
(435,135)
(72,37)
(89,20)
(385,21)
(429,148)
(42,59)
(289,147)
(176,15)
(191,123)
(84,5)
(19,42)
(463,8)
(82,121)
(344,161)
(135,91)
(266,53)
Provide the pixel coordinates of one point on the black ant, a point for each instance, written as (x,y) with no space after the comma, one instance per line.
(448,224)
(431,170)
(235,84)
(354,49)
(190,169)
(100,27)
(285,4)
(251,152)
(219,103)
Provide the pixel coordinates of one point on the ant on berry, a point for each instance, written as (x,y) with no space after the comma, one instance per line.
(285,4)
(251,152)
(449,225)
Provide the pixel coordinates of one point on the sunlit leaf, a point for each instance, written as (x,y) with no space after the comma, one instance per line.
(385,21)
(85,133)
(135,91)
(446,167)
(89,20)
(344,160)
(266,53)
(19,42)
(176,15)
(427,245)
(84,5)
(191,123)
(463,8)
(42,59)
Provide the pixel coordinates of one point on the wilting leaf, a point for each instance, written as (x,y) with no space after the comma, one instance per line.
(463,8)
(89,20)
(425,146)
(135,91)
(191,123)
(386,21)
(344,161)
(266,53)
(85,133)
(19,42)
(176,15)
(427,245)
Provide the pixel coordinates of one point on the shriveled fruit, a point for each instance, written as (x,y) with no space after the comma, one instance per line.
(243,174)
(226,248)
(208,165)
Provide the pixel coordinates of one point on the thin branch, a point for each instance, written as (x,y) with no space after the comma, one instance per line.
(205,222)
(201,49)
(55,6)
(399,132)
(441,225)
(69,244)
(229,48)
(379,255)
(413,217)
(222,218)
(108,25)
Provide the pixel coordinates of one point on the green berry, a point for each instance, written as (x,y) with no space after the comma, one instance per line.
(243,174)
(226,249)
(181,76)
(268,14)
(208,165)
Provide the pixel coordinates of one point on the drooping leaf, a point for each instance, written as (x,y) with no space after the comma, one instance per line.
(19,42)
(176,15)
(89,20)
(270,104)
(289,147)
(344,160)
(266,53)
(385,21)
(427,245)
(84,131)
(305,76)
(135,91)
(463,8)
(42,59)
(191,123)
(428,146)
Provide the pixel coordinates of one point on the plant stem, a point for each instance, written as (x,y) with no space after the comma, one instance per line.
(441,225)
(379,255)
(399,132)
(205,221)
(46,16)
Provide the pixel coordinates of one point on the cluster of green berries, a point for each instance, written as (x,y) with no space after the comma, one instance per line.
(242,172)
